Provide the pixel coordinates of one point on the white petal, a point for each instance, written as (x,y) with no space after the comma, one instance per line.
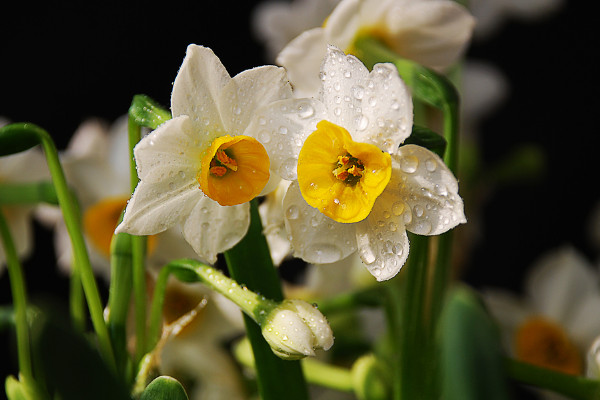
(433,33)
(374,107)
(197,87)
(282,127)
(247,92)
(343,23)
(559,282)
(156,206)
(315,237)
(424,183)
(211,228)
(302,59)
(171,152)
(382,243)
(583,324)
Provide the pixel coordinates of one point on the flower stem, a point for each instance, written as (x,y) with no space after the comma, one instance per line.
(19,295)
(32,132)
(138,253)
(277,378)
(575,387)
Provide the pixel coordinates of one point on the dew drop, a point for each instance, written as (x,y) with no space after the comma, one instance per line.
(292,212)
(431,165)
(325,253)
(264,136)
(363,122)
(358,92)
(409,164)
(418,211)
(398,208)
(306,111)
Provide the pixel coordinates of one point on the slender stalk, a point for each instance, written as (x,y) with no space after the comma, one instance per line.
(71,216)
(19,295)
(277,379)
(572,386)
(77,301)
(138,254)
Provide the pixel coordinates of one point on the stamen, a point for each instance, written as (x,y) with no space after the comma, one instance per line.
(348,169)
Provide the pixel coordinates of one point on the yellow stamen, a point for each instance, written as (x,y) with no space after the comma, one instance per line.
(100,221)
(234,170)
(340,177)
(544,343)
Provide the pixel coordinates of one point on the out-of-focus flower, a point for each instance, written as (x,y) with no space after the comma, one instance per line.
(593,360)
(433,33)
(276,23)
(193,348)
(202,167)
(271,214)
(96,164)
(555,323)
(26,167)
(353,186)
(490,14)
(295,329)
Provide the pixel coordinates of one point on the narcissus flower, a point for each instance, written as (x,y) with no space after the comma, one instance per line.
(352,186)
(433,33)
(555,323)
(202,167)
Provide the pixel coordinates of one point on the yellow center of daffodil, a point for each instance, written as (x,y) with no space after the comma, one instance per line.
(100,221)
(543,343)
(234,170)
(340,177)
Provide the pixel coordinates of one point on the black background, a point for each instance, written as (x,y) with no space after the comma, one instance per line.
(61,64)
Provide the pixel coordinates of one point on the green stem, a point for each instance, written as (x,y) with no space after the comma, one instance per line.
(277,378)
(77,301)
(19,295)
(572,386)
(368,297)
(29,133)
(138,254)
(28,193)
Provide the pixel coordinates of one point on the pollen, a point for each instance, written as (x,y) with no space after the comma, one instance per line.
(234,170)
(544,343)
(100,221)
(340,177)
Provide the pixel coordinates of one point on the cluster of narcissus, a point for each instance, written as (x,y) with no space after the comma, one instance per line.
(354,187)
(325,142)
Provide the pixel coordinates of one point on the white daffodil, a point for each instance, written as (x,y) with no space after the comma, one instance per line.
(96,164)
(202,167)
(556,322)
(433,33)
(277,23)
(271,215)
(26,167)
(353,187)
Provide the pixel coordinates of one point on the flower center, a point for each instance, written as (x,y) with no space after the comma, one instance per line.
(234,170)
(348,169)
(100,221)
(543,343)
(340,177)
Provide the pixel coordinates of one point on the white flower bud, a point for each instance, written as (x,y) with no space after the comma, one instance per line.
(295,329)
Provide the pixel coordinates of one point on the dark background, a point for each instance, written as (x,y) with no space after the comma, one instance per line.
(60,65)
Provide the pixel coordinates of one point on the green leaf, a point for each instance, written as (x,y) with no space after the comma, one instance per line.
(148,112)
(17,390)
(18,137)
(471,356)
(28,193)
(427,138)
(164,388)
(69,366)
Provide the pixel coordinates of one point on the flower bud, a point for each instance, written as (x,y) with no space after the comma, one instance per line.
(295,329)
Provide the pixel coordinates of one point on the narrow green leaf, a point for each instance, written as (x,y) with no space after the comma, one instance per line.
(17,137)
(471,357)
(28,193)
(164,388)
(148,112)
(427,138)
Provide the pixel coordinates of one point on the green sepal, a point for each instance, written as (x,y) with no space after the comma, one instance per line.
(18,137)
(427,138)
(28,193)
(21,389)
(147,112)
(472,365)
(369,379)
(164,388)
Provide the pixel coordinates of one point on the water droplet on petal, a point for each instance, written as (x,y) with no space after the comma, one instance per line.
(325,253)
(431,165)
(292,212)
(409,164)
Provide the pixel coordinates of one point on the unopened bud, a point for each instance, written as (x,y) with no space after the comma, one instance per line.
(295,329)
